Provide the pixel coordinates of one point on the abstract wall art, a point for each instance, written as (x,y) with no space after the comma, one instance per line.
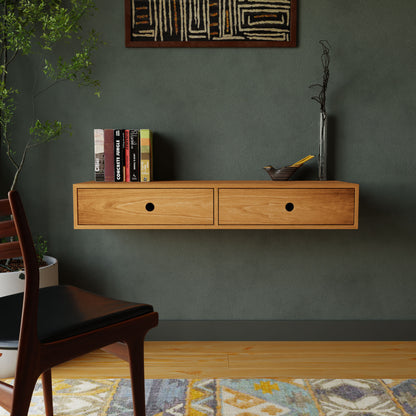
(210,23)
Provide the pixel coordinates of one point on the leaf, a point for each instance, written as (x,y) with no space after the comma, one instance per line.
(52,28)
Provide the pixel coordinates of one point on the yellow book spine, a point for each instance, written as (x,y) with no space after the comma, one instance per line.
(146,155)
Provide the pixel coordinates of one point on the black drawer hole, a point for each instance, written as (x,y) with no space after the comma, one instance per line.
(289,206)
(150,207)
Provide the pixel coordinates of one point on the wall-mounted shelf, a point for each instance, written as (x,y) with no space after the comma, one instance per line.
(216,205)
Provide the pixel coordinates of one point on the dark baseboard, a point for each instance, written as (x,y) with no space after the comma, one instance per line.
(284,331)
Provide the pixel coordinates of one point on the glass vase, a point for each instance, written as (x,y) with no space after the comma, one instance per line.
(323,148)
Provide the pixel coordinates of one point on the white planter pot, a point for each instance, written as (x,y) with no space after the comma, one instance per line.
(11,283)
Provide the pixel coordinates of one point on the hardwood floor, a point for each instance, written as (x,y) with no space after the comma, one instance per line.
(255,359)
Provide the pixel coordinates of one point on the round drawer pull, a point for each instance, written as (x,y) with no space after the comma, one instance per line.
(289,207)
(150,207)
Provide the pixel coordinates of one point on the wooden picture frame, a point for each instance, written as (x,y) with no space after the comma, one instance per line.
(210,23)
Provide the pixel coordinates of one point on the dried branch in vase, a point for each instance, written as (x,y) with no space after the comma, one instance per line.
(325,59)
(321,99)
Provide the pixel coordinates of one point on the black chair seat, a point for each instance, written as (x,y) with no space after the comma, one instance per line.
(65,311)
(60,323)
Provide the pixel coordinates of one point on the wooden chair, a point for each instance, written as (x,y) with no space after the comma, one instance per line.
(52,325)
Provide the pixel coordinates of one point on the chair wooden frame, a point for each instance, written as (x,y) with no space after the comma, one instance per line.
(35,358)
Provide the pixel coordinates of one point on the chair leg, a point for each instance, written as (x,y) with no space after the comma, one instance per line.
(22,395)
(137,376)
(47,392)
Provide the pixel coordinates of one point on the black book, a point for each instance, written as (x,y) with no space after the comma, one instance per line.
(118,155)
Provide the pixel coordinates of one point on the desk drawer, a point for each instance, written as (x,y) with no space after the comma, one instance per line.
(158,206)
(315,207)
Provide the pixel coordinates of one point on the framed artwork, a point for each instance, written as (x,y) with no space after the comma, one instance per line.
(210,23)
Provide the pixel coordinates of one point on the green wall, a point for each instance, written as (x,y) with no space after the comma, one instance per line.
(223,114)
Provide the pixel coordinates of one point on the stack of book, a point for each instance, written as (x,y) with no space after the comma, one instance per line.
(123,155)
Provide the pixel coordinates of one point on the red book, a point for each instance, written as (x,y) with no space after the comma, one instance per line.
(127,155)
(108,155)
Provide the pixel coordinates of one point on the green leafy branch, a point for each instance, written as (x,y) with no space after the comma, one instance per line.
(41,27)
(78,69)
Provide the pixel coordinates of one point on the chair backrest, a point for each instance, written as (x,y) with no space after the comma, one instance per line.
(8,248)
(13,223)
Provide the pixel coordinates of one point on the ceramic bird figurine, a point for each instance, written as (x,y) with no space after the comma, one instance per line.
(283,174)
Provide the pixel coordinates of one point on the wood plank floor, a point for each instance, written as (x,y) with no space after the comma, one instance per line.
(307,359)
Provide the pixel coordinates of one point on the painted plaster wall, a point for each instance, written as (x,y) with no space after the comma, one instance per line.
(223,114)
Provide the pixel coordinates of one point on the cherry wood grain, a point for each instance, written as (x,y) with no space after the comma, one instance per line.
(7,229)
(216,205)
(145,206)
(286,206)
(35,357)
(10,250)
(5,207)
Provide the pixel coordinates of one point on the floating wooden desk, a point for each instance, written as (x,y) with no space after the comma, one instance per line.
(216,205)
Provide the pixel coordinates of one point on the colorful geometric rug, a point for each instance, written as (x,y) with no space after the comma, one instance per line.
(234,397)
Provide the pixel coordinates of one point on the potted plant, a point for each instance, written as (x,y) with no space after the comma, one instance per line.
(42,29)
(12,278)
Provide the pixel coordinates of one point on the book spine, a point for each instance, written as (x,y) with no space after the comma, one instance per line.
(118,158)
(127,177)
(108,155)
(99,155)
(134,156)
(123,154)
(146,156)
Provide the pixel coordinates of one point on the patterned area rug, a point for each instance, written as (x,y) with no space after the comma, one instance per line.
(234,397)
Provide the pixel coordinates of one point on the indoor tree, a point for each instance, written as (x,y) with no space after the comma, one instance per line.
(51,31)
